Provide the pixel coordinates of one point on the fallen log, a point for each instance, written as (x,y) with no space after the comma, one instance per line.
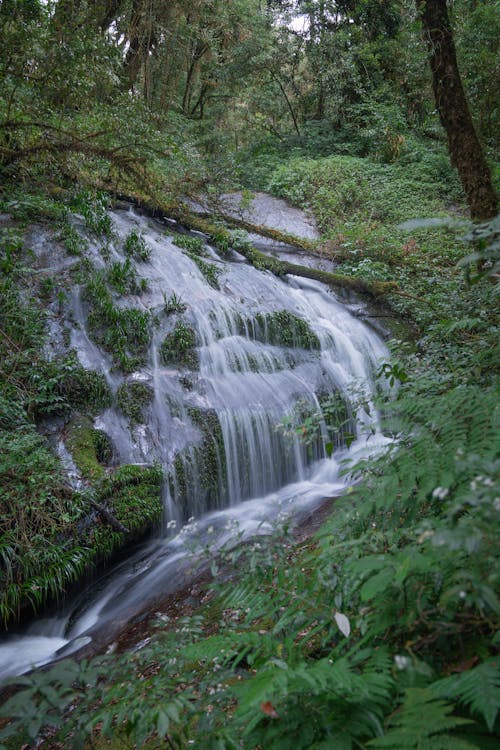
(310,246)
(223,238)
(109,518)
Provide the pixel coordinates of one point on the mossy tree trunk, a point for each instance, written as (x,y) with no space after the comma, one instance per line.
(465,150)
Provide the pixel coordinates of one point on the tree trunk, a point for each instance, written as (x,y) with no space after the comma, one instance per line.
(465,150)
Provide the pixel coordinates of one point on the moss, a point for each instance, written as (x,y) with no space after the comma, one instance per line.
(86,390)
(200,471)
(91,449)
(132,399)
(281,328)
(133,494)
(178,347)
(124,332)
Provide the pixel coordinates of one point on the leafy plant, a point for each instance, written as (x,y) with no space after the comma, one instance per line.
(135,246)
(187,242)
(133,398)
(174,304)
(122,277)
(179,347)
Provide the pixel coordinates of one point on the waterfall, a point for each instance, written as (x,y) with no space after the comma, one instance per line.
(263,349)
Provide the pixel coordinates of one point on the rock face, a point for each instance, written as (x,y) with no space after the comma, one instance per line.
(263,209)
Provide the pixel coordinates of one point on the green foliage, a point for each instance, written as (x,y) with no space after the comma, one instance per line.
(73,242)
(187,242)
(280,328)
(122,278)
(406,728)
(133,398)
(135,246)
(124,332)
(179,347)
(283,328)
(94,209)
(332,425)
(209,270)
(134,495)
(478,688)
(36,507)
(174,305)
(194,249)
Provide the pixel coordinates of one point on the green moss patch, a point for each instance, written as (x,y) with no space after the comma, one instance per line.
(123,332)
(178,347)
(133,400)
(91,449)
(281,328)
(133,494)
(200,471)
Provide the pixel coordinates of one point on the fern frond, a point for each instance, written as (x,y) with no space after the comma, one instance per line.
(423,721)
(478,688)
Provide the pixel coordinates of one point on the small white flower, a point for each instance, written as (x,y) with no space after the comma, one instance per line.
(462,594)
(440,492)
(402,662)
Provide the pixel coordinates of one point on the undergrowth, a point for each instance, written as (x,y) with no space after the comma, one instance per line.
(346,641)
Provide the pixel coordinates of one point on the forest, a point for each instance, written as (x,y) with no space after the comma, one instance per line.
(249,417)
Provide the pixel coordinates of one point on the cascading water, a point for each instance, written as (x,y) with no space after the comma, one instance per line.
(264,346)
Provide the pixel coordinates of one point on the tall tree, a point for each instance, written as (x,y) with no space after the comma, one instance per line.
(463,143)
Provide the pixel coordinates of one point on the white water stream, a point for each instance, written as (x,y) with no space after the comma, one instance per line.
(251,386)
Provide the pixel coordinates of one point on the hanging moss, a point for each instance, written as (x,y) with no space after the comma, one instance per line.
(281,328)
(178,347)
(200,472)
(133,399)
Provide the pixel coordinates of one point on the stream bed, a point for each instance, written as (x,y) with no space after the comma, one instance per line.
(268,352)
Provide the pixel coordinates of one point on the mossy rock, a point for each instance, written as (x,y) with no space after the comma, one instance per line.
(87,390)
(133,494)
(91,449)
(281,328)
(123,332)
(178,347)
(133,398)
(200,471)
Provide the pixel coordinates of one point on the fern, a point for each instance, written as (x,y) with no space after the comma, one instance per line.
(478,688)
(423,723)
